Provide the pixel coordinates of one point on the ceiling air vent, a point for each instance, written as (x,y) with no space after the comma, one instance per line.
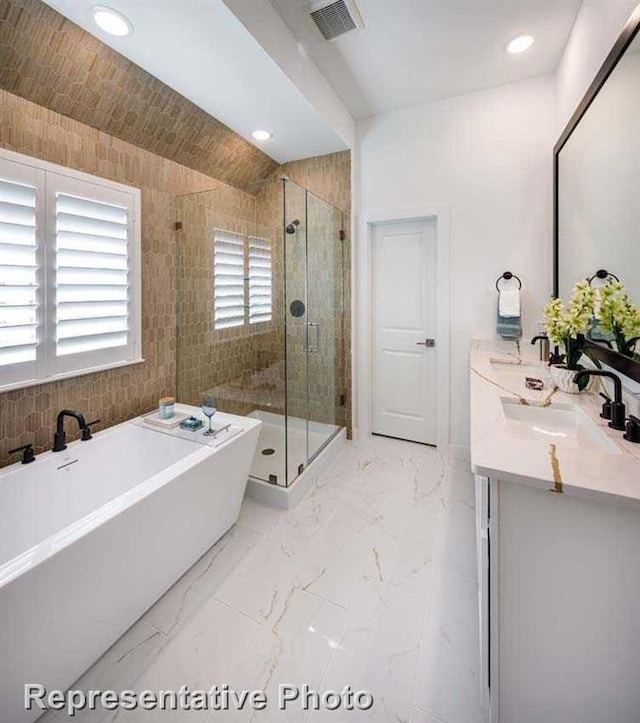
(336,18)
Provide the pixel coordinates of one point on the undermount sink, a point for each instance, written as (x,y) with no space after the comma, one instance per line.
(561,424)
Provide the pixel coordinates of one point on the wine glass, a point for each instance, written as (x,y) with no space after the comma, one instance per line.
(208,409)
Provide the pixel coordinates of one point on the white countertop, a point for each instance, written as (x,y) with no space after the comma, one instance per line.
(497,450)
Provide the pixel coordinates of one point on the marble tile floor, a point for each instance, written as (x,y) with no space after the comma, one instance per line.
(369,582)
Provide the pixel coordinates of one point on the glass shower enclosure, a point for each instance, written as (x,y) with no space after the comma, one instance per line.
(260,317)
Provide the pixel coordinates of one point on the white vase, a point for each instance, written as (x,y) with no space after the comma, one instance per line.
(563,379)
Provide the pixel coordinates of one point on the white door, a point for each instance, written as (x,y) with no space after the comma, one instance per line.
(404,320)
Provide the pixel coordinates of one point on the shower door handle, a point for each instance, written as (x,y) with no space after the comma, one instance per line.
(313,336)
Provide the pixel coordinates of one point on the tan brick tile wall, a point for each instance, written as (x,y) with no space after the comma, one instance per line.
(29,414)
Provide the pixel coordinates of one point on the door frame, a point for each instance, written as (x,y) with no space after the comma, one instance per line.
(440,213)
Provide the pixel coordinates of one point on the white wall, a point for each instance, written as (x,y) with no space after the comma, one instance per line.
(597,27)
(486,155)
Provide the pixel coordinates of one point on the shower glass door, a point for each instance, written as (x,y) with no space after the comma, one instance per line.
(313,325)
(324,349)
(295,235)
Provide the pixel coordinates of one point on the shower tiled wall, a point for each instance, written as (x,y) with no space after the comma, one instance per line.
(325,294)
(210,359)
(314,272)
(244,366)
(329,177)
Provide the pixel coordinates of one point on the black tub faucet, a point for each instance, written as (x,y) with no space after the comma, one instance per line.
(60,438)
(618,411)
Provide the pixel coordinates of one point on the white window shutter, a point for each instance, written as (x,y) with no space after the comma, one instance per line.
(21,272)
(228,280)
(89,265)
(69,272)
(91,275)
(260,280)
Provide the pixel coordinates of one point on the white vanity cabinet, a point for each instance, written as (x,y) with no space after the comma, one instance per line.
(559,602)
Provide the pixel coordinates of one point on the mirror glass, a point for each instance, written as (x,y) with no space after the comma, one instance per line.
(599,184)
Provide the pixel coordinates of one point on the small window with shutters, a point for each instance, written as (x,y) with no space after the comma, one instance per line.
(242,278)
(228,280)
(260,301)
(69,273)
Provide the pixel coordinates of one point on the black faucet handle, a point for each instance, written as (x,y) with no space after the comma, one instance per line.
(27,450)
(86,430)
(633,429)
(606,407)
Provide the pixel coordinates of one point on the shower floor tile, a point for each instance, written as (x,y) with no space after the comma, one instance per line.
(269,458)
(368,582)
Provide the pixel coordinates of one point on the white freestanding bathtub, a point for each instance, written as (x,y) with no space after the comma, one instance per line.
(92,536)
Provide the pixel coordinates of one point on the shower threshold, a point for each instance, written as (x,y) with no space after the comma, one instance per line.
(267,476)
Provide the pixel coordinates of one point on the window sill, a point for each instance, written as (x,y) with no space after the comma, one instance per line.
(69,375)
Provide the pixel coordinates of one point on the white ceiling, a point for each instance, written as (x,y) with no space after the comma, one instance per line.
(201,50)
(416,51)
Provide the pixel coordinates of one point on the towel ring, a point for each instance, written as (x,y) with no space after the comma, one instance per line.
(602,274)
(507,275)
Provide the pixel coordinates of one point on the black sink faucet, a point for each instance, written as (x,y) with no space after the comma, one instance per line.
(618,411)
(60,438)
(544,346)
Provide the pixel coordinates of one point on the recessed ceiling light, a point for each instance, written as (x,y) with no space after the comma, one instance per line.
(261,135)
(520,44)
(111,22)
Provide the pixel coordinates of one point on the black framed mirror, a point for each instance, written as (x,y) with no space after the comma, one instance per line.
(596,178)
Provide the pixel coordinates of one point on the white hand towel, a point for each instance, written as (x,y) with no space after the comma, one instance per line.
(509,303)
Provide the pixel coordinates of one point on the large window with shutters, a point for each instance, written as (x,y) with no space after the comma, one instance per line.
(69,272)
(242,280)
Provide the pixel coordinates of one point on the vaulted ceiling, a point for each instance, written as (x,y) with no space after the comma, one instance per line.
(200,49)
(409,52)
(192,82)
(55,63)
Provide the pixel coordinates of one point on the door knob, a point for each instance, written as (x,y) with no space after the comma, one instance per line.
(426,342)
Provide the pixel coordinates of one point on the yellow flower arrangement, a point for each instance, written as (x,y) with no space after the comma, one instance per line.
(567,326)
(619,316)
